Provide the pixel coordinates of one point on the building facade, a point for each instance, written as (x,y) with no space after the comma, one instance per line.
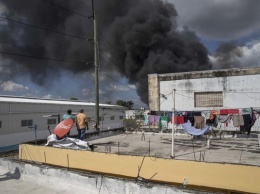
(205,90)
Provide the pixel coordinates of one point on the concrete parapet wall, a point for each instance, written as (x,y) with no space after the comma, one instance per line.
(64,181)
(227,177)
(209,73)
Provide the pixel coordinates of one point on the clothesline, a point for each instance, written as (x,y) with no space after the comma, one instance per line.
(243,118)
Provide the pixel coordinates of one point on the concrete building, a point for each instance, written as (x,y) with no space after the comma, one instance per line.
(134,114)
(205,90)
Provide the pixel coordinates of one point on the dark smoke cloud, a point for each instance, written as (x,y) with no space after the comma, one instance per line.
(149,43)
(143,34)
(227,56)
(26,40)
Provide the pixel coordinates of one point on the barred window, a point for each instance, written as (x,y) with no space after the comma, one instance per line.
(51,121)
(112,118)
(27,123)
(121,117)
(208,99)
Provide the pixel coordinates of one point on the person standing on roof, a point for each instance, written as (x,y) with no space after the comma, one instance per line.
(82,124)
(67,115)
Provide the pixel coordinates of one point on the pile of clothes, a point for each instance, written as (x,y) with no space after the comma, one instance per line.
(67,142)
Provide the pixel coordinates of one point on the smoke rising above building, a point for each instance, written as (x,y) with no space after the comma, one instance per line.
(149,42)
(227,56)
(136,38)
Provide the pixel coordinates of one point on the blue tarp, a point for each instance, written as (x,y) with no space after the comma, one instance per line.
(193,131)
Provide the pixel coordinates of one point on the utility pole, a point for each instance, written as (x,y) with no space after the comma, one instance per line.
(96,69)
(173,125)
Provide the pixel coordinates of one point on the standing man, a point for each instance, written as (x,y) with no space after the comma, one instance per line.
(82,124)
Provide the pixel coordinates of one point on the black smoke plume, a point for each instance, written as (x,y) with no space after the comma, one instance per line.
(136,38)
(227,56)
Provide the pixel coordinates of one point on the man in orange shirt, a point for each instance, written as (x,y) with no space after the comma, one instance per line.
(82,124)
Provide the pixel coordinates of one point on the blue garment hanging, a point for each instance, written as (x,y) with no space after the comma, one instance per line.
(192,130)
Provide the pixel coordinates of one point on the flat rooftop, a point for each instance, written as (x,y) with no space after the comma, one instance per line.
(242,149)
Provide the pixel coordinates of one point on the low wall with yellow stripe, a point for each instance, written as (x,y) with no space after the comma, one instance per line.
(213,176)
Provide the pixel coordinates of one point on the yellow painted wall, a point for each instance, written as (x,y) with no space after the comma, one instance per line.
(199,174)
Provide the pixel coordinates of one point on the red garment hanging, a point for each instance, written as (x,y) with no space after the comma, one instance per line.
(233,111)
(223,112)
(178,120)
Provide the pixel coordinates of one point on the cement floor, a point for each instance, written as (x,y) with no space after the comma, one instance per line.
(239,150)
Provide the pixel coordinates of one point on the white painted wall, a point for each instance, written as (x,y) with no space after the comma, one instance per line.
(238,91)
(129,114)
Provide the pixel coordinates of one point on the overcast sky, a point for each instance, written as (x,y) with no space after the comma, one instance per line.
(219,22)
(229,29)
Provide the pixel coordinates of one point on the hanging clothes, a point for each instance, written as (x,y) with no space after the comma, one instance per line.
(157,120)
(169,114)
(212,115)
(193,131)
(164,122)
(146,121)
(178,120)
(199,122)
(253,119)
(247,123)
(253,116)
(221,119)
(223,112)
(246,111)
(237,120)
(151,119)
(196,113)
(189,117)
(233,111)
(206,114)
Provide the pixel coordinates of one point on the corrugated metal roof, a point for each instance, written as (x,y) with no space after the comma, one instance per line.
(16,99)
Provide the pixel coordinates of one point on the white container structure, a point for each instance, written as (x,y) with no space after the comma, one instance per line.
(27,119)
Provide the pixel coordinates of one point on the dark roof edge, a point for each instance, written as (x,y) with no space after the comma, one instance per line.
(209,73)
